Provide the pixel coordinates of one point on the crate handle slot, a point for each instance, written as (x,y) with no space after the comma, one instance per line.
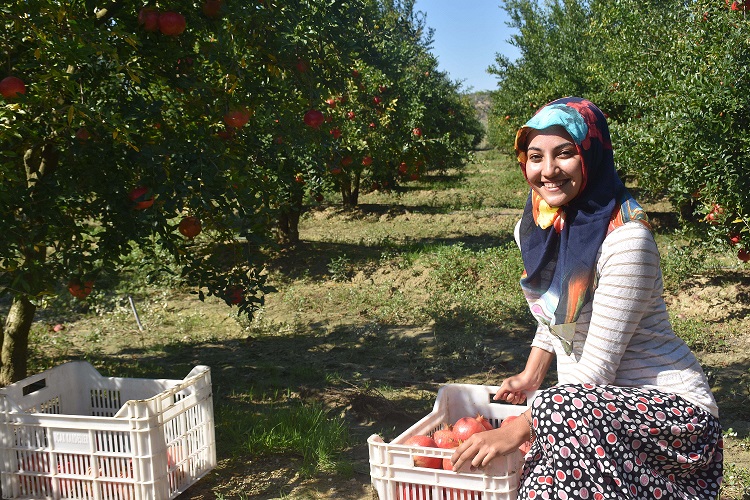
(34,387)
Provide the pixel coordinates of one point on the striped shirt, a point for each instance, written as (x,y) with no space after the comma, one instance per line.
(623,335)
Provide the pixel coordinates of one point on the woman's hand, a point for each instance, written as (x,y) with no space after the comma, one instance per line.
(513,389)
(482,447)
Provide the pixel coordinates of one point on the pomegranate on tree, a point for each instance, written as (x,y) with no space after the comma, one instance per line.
(148,17)
(237,118)
(141,197)
(234,295)
(190,227)
(171,23)
(12,87)
(212,8)
(80,289)
(314,118)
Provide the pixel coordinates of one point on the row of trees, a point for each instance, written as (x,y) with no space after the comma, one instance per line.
(125,125)
(673,79)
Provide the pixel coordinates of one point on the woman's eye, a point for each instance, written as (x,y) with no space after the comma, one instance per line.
(535,158)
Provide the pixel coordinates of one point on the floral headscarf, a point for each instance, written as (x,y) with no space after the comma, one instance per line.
(564,241)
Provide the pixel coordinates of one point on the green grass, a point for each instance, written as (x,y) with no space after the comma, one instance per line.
(303,431)
(410,289)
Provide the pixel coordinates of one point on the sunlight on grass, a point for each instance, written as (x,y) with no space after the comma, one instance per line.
(307,430)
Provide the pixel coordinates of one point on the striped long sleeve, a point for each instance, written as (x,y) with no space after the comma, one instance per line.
(623,335)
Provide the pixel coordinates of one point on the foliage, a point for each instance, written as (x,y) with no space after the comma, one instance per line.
(678,99)
(126,129)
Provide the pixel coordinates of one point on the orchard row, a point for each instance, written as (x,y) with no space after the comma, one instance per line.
(184,127)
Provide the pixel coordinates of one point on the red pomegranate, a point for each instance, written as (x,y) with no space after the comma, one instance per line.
(445,438)
(466,427)
(424,461)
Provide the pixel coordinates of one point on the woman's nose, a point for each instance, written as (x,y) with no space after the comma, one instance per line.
(549,166)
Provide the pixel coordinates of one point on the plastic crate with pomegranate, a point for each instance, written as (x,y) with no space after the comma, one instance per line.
(69,432)
(395,477)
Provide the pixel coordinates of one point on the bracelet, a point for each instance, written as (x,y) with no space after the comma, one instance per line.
(532,433)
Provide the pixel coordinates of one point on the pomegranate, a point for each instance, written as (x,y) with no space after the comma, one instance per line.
(148,17)
(445,438)
(423,461)
(12,87)
(234,295)
(485,423)
(141,197)
(80,289)
(314,118)
(189,227)
(236,118)
(367,161)
(466,427)
(417,131)
(82,134)
(212,8)
(171,23)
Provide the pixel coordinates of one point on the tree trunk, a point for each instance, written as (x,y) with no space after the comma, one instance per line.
(15,343)
(350,190)
(289,215)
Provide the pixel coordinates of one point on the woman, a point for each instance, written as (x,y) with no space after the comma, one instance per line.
(632,415)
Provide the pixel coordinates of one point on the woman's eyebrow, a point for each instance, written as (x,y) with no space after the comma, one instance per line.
(559,146)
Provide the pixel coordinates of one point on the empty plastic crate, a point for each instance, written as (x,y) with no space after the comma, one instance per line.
(395,477)
(69,432)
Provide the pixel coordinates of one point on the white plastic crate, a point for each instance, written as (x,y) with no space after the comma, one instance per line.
(394,476)
(69,432)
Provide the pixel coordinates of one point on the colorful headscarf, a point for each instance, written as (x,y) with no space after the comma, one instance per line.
(569,237)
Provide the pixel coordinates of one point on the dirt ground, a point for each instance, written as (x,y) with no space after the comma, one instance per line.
(333,341)
(720,301)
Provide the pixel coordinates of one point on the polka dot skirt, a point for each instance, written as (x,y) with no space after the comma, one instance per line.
(606,442)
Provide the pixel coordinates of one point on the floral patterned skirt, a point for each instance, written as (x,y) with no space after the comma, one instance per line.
(606,442)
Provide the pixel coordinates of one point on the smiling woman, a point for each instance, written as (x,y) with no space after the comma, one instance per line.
(554,168)
(630,393)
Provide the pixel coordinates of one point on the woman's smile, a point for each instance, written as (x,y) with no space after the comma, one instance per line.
(554,168)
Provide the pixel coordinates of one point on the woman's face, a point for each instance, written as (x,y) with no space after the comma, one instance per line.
(553,166)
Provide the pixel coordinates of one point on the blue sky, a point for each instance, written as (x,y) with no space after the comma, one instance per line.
(468,34)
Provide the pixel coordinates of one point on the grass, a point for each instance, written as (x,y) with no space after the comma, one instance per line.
(376,308)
